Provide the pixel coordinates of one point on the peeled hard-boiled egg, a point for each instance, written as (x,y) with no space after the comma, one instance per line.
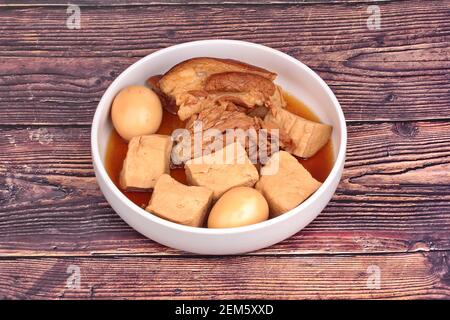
(238,207)
(136,111)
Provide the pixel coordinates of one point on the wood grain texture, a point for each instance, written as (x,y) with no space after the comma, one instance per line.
(399,73)
(402,276)
(394,196)
(391,209)
(84,3)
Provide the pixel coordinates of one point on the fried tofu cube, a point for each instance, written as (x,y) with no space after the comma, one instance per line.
(148,157)
(179,203)
(222,170)
(285,183)
(308,136)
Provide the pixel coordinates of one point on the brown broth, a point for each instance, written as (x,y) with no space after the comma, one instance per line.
(319,165)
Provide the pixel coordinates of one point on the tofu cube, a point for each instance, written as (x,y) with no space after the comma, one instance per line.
(148,157)
(222,170)
(308,136)
(285,183)
(179,203)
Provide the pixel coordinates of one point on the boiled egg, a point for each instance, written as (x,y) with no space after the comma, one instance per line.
(136,111)
(239,206)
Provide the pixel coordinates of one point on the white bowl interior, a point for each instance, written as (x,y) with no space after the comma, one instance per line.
(294,77)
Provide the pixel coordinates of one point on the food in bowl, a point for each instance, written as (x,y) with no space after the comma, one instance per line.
(282,162)
(136,111)
(238,207)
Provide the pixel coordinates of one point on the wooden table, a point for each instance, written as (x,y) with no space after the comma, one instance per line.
(390,216)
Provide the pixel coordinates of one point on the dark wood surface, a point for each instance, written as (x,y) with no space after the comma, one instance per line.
(391,209)
(415,275)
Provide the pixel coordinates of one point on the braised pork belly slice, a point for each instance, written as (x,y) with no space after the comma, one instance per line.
(191,74)
(259,91)
(223,118)
(198,83)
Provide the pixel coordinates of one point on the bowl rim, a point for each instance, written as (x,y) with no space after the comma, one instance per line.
(103,175)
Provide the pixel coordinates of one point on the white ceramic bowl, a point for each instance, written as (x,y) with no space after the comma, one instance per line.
(294,77)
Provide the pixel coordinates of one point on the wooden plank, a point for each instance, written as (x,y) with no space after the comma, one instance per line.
(402,276)
(400,72)
(137,31)
(394,196)
(55,91)
(84,3)
(66,91)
